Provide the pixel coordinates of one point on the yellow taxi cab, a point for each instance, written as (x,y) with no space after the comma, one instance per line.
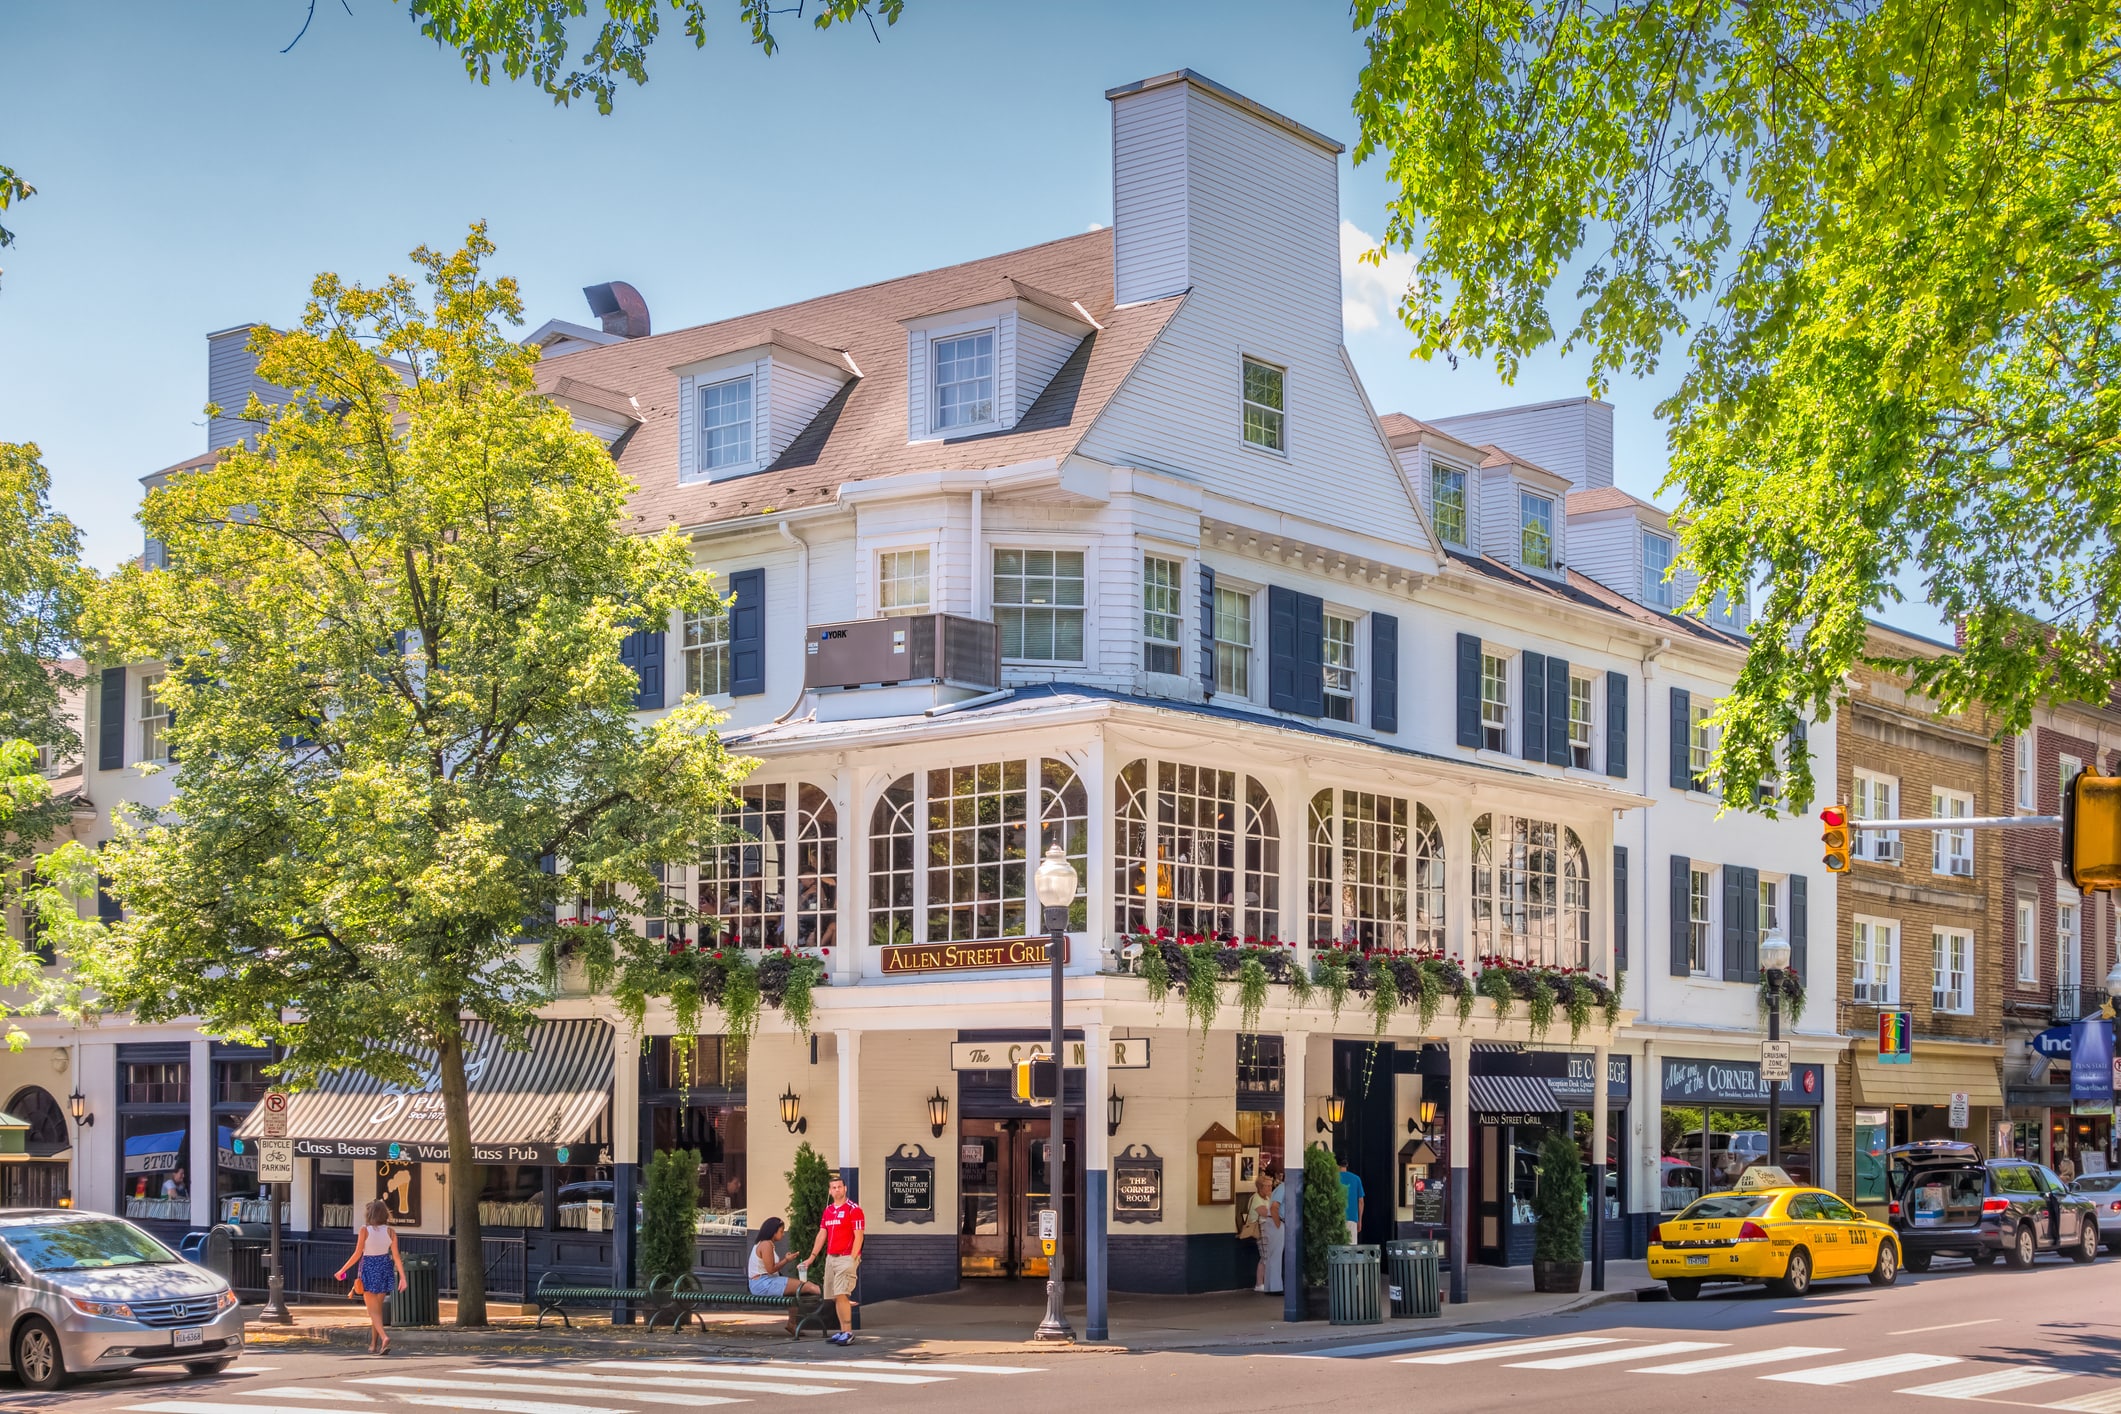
(1770,1229)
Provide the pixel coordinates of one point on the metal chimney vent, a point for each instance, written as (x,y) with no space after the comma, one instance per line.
(620,308)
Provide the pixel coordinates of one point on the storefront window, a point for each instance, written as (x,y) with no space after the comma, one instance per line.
(891,846)
(977,821)
(511,1195)
(156,1184)
(1376,871)
(334,1180)
(1531,892)
(751,892)
(1873,1139)
(1259,1108)
(1191,855)
(239,1083)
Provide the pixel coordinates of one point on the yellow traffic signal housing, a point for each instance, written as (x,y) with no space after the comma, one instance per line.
(1834,838)
(1035,1081)
(1021,1082)
(2091,832)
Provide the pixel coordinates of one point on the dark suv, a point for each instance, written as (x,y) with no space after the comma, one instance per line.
(1948,1201)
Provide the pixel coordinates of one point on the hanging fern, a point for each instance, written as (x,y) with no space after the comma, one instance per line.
(1384,998)
(1428,992)
(1612,998)
(1204,983)
(1494,984)
(1331,969)
(1251,990)
(1156,971)
(1465,1006)
(1301,989)
(1578,998)
(1539,1006)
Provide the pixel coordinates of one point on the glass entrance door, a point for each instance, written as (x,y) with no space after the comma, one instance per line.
(1003,1182)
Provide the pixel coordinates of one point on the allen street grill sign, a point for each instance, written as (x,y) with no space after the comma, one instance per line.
(992,955)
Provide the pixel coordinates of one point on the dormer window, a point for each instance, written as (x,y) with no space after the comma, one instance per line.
(964,381)
(1265,406)
(1535,531)
(1447,504)
(1656,563)
(725,424)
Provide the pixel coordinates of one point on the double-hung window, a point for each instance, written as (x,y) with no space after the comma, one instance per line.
(1770,905)
(1875,797)
(1265,402)
(725,424)
(1162,581)
(1580,721)
(2067,769)
(1952,970)
(1701,888)
(2025,765)
(1447,503)
(1952,851)
(1494,702)
(901,583)
(1700,742)
(1656,564)
(706,650)
(154,720)
(1038,605)
(2025,945)
(1535,525)
(1339,650)
(1875,969)
(2069,961)
(964,380)
(1233,642)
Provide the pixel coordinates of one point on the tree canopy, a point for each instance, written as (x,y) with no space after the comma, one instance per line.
(42,588)
(391,632)
(1885,231)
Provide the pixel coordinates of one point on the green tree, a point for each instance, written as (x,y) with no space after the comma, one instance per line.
(42,588)
(1557,1206)
(12,190)
(392,630)
(1887,235)
(1325,1209)
(670,1206)
(809,1189)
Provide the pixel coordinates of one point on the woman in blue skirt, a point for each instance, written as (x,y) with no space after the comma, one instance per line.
(382,1270)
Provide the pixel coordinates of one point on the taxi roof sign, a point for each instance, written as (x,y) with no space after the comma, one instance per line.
(1761,1176)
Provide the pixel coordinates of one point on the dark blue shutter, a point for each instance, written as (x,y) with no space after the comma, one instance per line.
(1620,910)
(1616,724)
(1682,868)
(1282,694)
(1800,928)
(1207,631)
(1384,672)
(642,650)
(110,722)
(1557,712)
(1682,768)
(1748,925)
(1469,691)
(1311,654)
(1532,730)
(747,633)
(108,909)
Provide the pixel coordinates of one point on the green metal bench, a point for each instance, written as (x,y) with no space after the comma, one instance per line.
(551,1296)
(686,1299)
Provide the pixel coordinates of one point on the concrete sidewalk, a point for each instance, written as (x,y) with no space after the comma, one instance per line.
(981,1317)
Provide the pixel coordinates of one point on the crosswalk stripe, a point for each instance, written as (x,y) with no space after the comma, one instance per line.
(210,1406)
(659,1381)
(1503,1352)
(1614,1357)
(504,1406)
(635,1396)
(2107,1401)
(1994,1382)
(1738,1361)
(748,1368)
(916,1366)
(1863,1369)
(297,1392)
(1387,1347)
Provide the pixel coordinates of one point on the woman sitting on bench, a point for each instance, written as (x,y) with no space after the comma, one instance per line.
(766,1265)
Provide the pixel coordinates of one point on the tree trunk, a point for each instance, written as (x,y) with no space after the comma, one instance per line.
(463,1185)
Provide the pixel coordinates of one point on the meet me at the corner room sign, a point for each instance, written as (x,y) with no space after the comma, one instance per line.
(990,955)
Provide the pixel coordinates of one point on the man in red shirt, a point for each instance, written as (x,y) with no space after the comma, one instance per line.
(839,1234)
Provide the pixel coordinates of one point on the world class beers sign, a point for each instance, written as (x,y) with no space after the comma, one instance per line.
(992,955)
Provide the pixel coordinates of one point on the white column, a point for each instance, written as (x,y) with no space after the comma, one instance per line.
(853,946)
(849,1158)
(1648,1110)
(1460,1138)
(202,1158)
(1295,1117)
(625,1093)
(1097,862)
(1296,863)
(1097,1079)
(1598,1165)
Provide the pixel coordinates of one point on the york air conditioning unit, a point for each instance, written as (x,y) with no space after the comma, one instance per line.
(924,648)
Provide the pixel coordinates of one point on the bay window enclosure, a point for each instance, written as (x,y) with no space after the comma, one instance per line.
(1376,871)
(1196,849)
(775,881)
(1531,893)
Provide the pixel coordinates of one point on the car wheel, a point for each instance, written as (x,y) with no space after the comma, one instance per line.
(1797,1279)
(2087,1245)
(38,1362)
(1683,1288)
(1917,1262)
(1888,1269)
(208,1367)
(2022,1250)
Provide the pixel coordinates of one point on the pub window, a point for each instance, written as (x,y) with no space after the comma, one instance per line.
(1196,850)
(1260,1075)
(1531,893)
(751,894)
(1376,871)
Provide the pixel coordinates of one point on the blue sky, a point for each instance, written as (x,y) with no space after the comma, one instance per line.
(192,177)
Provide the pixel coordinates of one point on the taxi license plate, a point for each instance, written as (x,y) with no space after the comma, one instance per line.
(194,1336)
(1700,1261)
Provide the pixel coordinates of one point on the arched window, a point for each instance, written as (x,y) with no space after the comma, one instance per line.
(1575,901)
(891,855)
(1064,819)
(977,820)
(1376,871)
(35,1107)
(1517,893)
(1193,855)
(750,892)
(817,869)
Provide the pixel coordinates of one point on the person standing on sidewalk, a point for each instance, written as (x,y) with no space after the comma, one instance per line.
(1266,1210)
(839,1234)
(1351,1187)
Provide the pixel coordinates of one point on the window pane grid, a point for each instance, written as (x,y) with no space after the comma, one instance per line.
(1447,503)
(1535,518)
(1038,604)
(1064,819)
(1951,970)
(725,423)
(976,829)
(706,651)
(1264,389)
(1339,657)
(1494,702)
(1952,851)
(1579,721)
(901,582)
(743,883)
(964,381)
(1656,561)
(1698,923)
(891,855)
(1161,614)
(154,720)
(1233,642)
(1182,860)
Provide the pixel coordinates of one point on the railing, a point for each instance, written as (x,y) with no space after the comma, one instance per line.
(2069,1001)
(313,1264)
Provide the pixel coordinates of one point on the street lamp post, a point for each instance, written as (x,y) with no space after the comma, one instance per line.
(1774,962)
(1054,882)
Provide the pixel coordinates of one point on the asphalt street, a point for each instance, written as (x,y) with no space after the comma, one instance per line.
(2045,1339)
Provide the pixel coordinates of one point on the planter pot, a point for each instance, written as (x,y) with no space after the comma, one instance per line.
(1557,1277)
(1317,1306)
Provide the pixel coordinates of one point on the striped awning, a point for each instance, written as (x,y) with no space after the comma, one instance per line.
(541,1104)
(1512,1094)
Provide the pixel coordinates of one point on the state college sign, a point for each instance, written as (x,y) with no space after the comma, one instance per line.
(989,956)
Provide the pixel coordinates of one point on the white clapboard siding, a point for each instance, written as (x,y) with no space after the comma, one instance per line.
(1572,438)
(1149,198)
(231,377)
(1605,550)
(798,396)
(1039,354)
(1497,493)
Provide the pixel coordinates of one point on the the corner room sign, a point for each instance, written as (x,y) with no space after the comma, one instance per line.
(1121,1053)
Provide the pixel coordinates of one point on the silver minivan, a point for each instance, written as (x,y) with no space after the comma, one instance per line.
(87,1292)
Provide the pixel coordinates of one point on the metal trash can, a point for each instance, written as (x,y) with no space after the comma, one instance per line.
(1354,1286)
(1416,1267)
(217,1252)
(419,1301)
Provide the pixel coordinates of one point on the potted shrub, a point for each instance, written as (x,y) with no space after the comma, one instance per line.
(670,1214)
(1557,1208)
(1325,1209)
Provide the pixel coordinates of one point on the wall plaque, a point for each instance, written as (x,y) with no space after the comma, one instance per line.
(909,1185)
(1137,1185)
(1219,1150)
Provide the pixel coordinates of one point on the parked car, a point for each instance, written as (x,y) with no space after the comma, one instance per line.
(1946,1200)
(2104,1189)
(82,1292)
(1782,1234)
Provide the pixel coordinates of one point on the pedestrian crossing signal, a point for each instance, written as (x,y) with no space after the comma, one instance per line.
(2091,832)
(1834,838)
(1036,1081)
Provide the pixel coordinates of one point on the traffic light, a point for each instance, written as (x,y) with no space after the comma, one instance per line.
(1036,1081)
(2091,832)
(1834,838)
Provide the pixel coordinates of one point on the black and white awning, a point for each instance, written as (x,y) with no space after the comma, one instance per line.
(545,1103)
(1512,1094)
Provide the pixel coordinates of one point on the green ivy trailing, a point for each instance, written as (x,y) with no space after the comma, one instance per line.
(1329,968)
(1539,1005)
(1156,971)
(1251,992)
(1792,997)
(1203,987)
(1494,984)
(1384,997)
(692,980)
